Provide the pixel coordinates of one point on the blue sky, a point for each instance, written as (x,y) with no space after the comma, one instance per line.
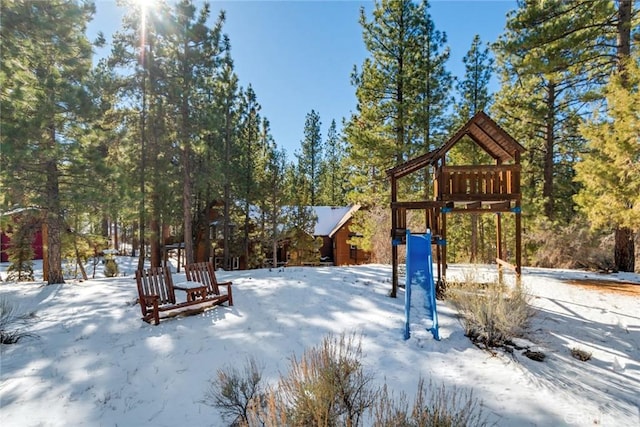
(298,55)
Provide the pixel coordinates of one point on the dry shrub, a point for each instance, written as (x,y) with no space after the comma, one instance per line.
(237,392)
(569,246)
(580,354)
(433,406)
(327,386)
(491,314)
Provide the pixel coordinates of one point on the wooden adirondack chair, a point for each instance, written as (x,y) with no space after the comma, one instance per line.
(204,273)
(157,297)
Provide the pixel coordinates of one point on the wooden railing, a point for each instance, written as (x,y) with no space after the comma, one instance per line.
(477,182)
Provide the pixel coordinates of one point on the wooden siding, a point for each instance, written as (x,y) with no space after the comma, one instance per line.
(343,253)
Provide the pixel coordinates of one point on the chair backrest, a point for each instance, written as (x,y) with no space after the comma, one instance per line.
(156,281)
(204,273)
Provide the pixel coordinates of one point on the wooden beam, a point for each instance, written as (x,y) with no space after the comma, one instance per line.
(473,205)
(426,204)
(462,198)
(506,264)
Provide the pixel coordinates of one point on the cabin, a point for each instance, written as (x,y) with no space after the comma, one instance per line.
(333,226)
(461,189)
(34,224)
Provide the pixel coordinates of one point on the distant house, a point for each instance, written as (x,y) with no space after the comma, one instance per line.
(333,226)
(14,217)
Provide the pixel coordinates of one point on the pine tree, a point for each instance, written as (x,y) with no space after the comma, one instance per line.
(473,96)
(402,90)
(473,89)
(139,48)
(542,97)
(46,60)
(228,95)
(310,156)
(573,48)
(195,52)
(274,202)
(433,84)
(610,171)
(334,177)
(250,161)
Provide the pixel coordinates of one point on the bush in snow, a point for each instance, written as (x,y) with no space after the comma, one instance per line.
(12,323)
(110,268)
(328,386)
(237,392)
(432,406)
(491,314)
(20,252)
(574,245)
(580,354)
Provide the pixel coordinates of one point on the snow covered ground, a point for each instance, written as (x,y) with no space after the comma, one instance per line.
(95,363)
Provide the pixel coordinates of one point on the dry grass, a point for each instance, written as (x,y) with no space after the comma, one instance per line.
(328,387)
(491,314)
(433,406)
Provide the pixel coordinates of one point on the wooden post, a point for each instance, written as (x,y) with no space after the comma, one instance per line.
(499,244)
(518,244)
(444,251)
(394,248)
(45,250)
(394,274)
(518,223)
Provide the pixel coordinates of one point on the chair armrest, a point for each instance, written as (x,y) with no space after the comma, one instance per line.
(229,293)
(153,301)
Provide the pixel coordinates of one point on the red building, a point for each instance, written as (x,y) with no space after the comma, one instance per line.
(15,217)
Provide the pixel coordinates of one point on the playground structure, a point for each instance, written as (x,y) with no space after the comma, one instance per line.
(462,189)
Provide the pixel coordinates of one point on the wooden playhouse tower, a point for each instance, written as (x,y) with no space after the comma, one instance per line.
(493,188)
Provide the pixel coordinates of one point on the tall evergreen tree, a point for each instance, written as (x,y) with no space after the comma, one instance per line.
(227,95)
(610,171)
(473,88)
(310,156)
(433,83)
(195,50)
(140,49)
(334,177)
(275,196)
(473,96)
(46,62)
(250,160)
(401,89)
(573,48)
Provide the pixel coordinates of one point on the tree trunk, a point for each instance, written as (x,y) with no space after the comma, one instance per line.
(116,242)
(624,252)
(474,238)
(187,207)
(547,187)
(155,246)
(187,201)
(52,217)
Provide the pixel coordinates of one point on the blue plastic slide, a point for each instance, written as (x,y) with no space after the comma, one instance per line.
(420,271)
